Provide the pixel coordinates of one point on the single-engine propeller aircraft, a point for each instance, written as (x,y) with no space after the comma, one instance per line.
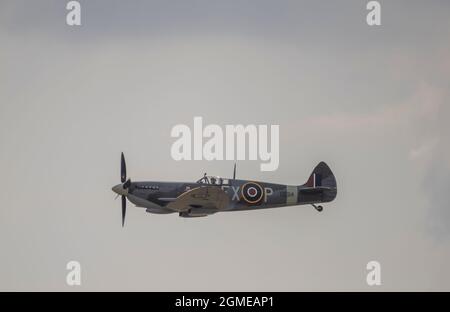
(212,194)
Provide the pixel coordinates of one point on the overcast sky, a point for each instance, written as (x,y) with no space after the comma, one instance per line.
(373,102)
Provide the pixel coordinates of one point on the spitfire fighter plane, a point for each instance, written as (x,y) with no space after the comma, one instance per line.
(212,194)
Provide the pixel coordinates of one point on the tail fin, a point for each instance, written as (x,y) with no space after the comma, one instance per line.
(321,177)
(320,187)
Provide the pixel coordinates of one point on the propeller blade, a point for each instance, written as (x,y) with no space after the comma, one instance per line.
(124,209)
(234,172)
(123,169)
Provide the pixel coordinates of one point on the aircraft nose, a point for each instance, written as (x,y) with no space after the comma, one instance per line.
(118,189)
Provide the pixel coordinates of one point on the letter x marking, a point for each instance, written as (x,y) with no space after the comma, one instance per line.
(236,192)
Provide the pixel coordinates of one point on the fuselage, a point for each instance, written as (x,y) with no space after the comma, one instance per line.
(242,194)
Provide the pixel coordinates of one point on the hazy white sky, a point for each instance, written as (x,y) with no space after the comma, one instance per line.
(371,102)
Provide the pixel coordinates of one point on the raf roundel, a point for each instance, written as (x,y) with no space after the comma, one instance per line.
(252,192)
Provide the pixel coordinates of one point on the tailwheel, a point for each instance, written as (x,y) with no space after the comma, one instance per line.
(318,208)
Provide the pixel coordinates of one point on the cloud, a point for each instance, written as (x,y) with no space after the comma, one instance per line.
(436,182)
(422,107)
(423,120)
(425,151)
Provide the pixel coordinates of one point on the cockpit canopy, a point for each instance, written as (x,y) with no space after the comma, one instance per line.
(213,180)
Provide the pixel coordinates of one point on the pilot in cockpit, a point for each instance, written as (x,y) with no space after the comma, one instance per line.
(210,180)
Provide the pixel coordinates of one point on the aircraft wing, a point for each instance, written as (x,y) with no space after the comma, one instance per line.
(209,197)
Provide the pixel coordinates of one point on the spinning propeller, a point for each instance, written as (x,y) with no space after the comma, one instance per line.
(122,189)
